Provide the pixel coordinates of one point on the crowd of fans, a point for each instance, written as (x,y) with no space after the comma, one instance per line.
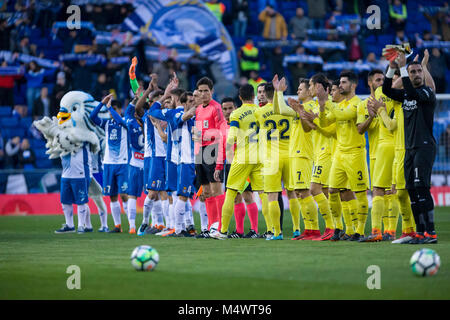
(263,40)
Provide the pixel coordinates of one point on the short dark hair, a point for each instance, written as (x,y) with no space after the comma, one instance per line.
(412,63)
(116,103)
(246,92)
(269,90)
(228,99)
(336,82)
(177,92)
(322,79)
(207,81)
(374,72)
(184,96)
(305,81)
(350,75)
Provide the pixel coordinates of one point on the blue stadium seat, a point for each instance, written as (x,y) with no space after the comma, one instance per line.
(9,122)
(5,111)
(26,122)
(37,144)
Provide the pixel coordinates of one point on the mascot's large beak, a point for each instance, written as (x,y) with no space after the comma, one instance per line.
(63,117)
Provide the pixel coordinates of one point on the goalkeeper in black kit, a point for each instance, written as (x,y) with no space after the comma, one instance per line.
(419,103)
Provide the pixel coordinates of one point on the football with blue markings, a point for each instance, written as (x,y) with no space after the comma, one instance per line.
(144,258)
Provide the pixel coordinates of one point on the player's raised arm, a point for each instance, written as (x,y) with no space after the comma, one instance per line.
(132,74)
(395,94)
(115,115)
(94,113)
(428,78)
(279,104)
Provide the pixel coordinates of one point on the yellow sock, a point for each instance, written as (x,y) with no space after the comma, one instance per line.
(385,213)
(347,218)
(353,211)
(304,212)
(324,208)
(377,212)
(363,211)
(227,209)
(274,211)
(265,211)
(394,209)
(408,224)
(336,209)
(294,207)
(312,212)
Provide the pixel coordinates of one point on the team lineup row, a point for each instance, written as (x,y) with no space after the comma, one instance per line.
(176,144)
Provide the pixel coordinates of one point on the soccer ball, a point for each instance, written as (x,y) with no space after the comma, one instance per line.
(144,258)
(425,262)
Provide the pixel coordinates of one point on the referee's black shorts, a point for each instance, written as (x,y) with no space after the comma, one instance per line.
(205,165)
(418,166)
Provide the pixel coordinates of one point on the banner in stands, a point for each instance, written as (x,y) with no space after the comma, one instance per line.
(185,23)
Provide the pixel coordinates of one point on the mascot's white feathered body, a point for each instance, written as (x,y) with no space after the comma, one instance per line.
(72,127)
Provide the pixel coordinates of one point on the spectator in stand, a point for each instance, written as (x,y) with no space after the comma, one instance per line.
(276,62)
(255,80)
(25,47)
(70,42)
(317,9)
(43,106)
(297,70)
(5,33)
(12,148)
(7,87)
(240,15)
(35,77)
(438,68)
(444,145)
(2,151)
(26,156)
(217,8)
(400,37)
(60,89)
(249,58)
(274,24)
(82,77)
(164,70)
(299,25)
(115,50)
(102,87)
(371,57)
(439,20)
(398,14)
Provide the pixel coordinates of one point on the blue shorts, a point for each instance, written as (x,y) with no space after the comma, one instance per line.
(136,179)
(99,177)
(171,176)
(115,179)
(155,173)
(186,180)
(74,191)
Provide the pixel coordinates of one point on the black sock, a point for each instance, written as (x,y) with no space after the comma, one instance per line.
(281,204)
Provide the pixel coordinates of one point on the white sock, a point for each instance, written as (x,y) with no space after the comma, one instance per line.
(171,216)
(82,212)
(115,212)
(148,205)
(68,214)
(157,212)
(188,216)
(165,210)
(102,211)
(203,216)
(87,218)
(125,206)
(132,213)
(180,209)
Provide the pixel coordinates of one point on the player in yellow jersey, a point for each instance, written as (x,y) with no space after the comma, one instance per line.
(274,134)
(246,162)
(349,164)
(300,154)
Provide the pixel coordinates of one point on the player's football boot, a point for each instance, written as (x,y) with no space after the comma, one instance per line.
(252,234)
(405,237)
(219,235)
(88,229)
(418,239)
(235,235)
(103,229)
(313,235)
(203,235)
(132,231)
(65,229)
(191,230)
(278,237)
(304,234)
(117,229)
(388,236)
(142,228)
(80,230)
(430,238)
(168,232)
(346,237)
(355,237)
(373,237)
(152,230)
(295,234)
(338,233)
(327,234)
(266,234)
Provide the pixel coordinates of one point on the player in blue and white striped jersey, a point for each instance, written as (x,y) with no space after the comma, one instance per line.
(115,161)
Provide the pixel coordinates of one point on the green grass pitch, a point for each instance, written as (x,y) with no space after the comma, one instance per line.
(33,263)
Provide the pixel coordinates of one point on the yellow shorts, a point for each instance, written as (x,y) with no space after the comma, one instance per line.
(398,175)
(274,172)
(301,170)
(382,177)
(239,172)
(321,170)
(372,166)
(349,168)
